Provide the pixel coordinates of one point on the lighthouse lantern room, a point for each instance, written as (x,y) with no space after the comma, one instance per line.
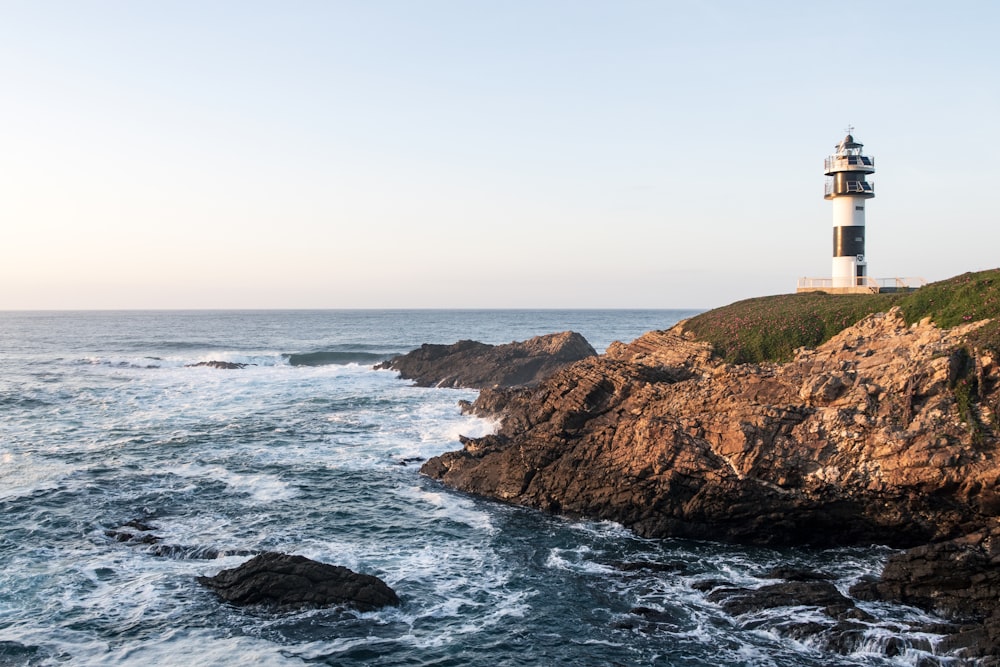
(847,188)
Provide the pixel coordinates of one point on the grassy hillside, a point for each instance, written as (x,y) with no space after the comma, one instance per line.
(771,328)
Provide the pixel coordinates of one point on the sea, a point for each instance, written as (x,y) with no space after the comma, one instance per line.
(107,429)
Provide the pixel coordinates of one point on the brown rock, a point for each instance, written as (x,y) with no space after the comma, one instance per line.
(857,441)
(477,365)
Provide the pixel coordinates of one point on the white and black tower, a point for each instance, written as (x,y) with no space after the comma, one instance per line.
(848,189)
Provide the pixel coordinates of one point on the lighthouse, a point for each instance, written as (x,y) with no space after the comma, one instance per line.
(847,188)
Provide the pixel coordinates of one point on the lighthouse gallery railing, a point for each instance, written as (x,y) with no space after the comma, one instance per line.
(863,281)
(852,186)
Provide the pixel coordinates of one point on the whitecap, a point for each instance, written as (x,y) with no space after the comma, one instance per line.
(261,487)
(453,507)
(22,473)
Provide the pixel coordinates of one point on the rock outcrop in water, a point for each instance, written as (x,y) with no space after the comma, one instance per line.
(223,365)
(141,535)
(958,579)
(472,364)
(286,581)
(885,434)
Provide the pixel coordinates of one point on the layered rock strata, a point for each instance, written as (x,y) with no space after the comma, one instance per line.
(857,441)
(472,364)
(885,434)
(958,579)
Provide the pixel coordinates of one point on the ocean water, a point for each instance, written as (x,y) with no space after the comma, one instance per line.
(308,450)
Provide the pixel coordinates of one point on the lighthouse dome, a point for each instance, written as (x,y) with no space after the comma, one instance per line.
(849,142)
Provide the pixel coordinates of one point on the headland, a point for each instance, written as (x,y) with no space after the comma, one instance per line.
(795,420)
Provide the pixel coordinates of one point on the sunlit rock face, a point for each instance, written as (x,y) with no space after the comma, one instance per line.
(857,441)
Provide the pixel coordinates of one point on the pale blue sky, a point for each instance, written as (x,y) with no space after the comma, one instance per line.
(482,154)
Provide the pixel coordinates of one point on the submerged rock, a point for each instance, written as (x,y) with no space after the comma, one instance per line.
(477,365)
(809,608)
(224,365)
(287,581)
(822,594)
(139,534)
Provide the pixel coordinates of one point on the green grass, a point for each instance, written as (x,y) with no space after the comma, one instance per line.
(965,298)
(772,328)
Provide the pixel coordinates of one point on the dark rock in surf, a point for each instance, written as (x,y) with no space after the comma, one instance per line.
(648,566)
(187,552)
(223,365)
(843,632)
(292,582)
(822,594)
(475,365)
(140,535)
(134,533)
(958,579)
(409,459)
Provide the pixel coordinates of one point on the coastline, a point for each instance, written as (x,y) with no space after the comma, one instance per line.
(861,440)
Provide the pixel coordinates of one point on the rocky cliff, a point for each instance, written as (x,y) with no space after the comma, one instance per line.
(472,364)
(885,434)
(865,439)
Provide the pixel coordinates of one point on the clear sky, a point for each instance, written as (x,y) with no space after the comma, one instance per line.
(475,154)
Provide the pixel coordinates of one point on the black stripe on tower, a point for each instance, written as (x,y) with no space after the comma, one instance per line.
(850,183)
(848,241)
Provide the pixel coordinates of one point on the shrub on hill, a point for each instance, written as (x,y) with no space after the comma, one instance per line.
(772,328)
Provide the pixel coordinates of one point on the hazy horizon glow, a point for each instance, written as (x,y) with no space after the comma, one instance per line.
(449,154)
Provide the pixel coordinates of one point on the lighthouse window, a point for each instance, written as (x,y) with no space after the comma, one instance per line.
(859,208)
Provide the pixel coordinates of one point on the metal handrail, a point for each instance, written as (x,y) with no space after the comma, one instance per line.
(852,187)
(862,162)
(866,281)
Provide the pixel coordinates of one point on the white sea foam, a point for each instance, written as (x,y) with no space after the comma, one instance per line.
(452,507)
(262,487)
(196,648)
(304,459)
(23,473)
(576,560)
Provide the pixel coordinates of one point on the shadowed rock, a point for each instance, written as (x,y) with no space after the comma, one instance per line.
(477,365)
(861,440)
(286,581)
(224,365)
(959,579)
(823,594)
(139,534)
(825,450)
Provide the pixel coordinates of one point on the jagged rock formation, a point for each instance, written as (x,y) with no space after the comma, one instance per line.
(857,441)
(469,363)
(885,434)
(281,580)
(959,579)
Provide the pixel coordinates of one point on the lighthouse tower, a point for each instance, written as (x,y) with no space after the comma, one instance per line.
(848,189)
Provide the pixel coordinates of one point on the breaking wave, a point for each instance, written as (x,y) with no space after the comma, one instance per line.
(327,358)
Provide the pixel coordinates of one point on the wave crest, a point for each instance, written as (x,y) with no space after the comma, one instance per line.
(327,358)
